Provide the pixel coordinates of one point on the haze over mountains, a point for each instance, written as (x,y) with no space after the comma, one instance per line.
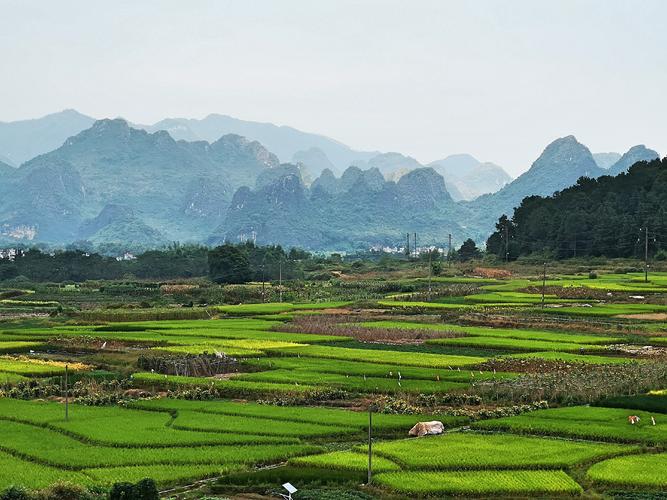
(219,178)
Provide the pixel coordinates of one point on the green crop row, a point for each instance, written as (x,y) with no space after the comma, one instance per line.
(481,331)
(514,344)
(647,471)
(354,383)
(604,424)
(345,460)
(231,387)
(361,368)
(15,471)
(59,450)
(323,416)
(492,451)
(420,359)
(568,357)
(480,483)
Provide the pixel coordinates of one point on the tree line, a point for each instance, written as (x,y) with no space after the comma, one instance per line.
(228,263)
(620,216)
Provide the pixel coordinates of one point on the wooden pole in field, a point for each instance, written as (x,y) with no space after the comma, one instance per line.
(370,443)
(66,395)
(430,270)
(646,254)
(544,282)
(280,279)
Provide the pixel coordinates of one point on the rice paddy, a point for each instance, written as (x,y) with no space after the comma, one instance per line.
(220,391)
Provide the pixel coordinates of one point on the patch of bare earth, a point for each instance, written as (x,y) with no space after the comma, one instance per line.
(649,316)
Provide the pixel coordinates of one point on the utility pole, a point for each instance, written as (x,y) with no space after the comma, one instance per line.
(407,248)
(280,278)
(66,396)
(370,443)
(415,245)
(646,254)
(544,282)
(430,271)
(263,277)
(507,243)
(449,251)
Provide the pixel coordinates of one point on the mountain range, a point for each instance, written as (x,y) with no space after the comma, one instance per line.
(114,182)
(117,179)
(560,165)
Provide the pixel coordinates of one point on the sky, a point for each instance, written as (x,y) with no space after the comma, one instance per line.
(496,79)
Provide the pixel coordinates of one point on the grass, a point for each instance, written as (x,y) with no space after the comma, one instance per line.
(361,368)
(393,304)
(119,427)
(37,367)
(231,387)
(210,422)
(354,383)
(277,307)
(514,298)
(426,360)
(605,309)
(645,471)
(323,416)
(163,475)
(16,471)
(345,460)
(492,451)
(646,402)
(568,357)
(59,450)
(603,424)
(511,344)
(19,346)
(479,483)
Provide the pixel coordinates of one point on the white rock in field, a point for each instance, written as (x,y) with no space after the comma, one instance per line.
(427,428)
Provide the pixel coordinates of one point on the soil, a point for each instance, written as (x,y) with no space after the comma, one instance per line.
(649,316)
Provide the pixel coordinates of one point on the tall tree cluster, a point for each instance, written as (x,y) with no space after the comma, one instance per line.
(607,216)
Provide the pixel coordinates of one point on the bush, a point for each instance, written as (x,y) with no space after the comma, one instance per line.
(15,493)
(661,255)
(64,491)
(593,275)
(146,489)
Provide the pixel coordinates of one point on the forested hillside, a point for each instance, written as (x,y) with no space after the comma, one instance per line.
(607,216)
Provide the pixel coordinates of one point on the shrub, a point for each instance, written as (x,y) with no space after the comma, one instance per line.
(15,493)
(64,491)
(592,275)
(122,491)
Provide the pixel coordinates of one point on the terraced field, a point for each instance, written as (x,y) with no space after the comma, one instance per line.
(304,375)
(193,439)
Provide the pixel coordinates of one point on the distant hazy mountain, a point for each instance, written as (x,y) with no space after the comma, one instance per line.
(632,156)
(357,210)
(606,160)
(467,178)
(126,182)
(560,165)
(391,165)
(22,140)
(6,161)
(314,160)
(456,165)
(284,141)
(6,169)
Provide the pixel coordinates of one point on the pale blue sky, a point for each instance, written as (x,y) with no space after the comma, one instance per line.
(498,79)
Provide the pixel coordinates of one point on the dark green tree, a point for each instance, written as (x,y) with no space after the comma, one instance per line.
(468,251)
(229,264)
